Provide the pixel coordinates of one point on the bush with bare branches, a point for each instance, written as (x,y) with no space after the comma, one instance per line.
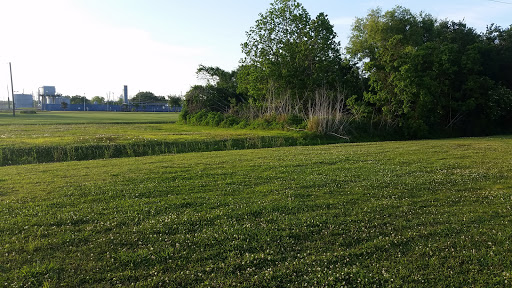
(327,114)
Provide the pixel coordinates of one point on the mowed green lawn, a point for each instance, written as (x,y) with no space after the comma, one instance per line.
(405,214)
(73,117)
(66,136)
(110,133)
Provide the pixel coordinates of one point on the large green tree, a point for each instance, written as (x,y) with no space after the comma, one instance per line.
(498,66)
(174,101)
(287,53)
(98,100)
(498,61)
(147,97)
(219,94)
(426,76)
(384,42)
(77,99)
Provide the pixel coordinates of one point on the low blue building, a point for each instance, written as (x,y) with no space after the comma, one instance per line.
(154,107)
(24,101)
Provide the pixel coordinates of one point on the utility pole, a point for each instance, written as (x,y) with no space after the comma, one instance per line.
(84,102)
(8,99)
(12,93)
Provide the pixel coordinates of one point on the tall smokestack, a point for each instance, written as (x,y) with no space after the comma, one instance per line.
(125,94)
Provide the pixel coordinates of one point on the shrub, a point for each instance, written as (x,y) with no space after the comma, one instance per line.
(218,119)
(242,125)
(214,119)
(230,121)
(295,120)
(197,118)
(28,112)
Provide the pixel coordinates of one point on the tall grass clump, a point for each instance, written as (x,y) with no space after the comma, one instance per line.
(327,114)
(64,153)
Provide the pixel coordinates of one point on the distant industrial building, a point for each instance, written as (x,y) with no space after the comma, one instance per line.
(150,107)
(49,100)
(60,100)
(24,101)
(46,95)
(125,94)
(47,91)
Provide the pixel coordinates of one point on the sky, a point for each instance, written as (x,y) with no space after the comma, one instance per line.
(95,47)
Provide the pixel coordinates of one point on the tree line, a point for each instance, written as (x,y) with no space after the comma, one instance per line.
(143,97)
(404,75)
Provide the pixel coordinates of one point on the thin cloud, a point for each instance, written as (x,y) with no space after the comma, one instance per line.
(343,21)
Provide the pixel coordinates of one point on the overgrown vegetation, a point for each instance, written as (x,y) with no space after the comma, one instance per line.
(405,76)
(390,214)
(27,111)
(140,147)
(432,77)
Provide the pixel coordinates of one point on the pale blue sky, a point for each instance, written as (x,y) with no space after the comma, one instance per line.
(93,47)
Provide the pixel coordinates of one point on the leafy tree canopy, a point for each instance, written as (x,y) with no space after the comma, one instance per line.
(147,97)
(174,101)
(218,95)
(426,75)
(218,77)
(288,52)
(77,99)
(98,100)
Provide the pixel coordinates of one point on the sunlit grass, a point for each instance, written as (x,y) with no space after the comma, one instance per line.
(67,139)
(63,117)
(423,213)
(33,135)
(73,134)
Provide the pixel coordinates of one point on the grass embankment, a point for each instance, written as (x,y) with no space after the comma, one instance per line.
(65,138)
(424,213)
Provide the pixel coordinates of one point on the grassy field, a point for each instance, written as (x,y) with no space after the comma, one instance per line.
(403,214)
(59,117)
(68,136)
(109,133)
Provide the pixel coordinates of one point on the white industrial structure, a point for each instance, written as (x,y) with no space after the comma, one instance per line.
(46,95)
(47,90)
